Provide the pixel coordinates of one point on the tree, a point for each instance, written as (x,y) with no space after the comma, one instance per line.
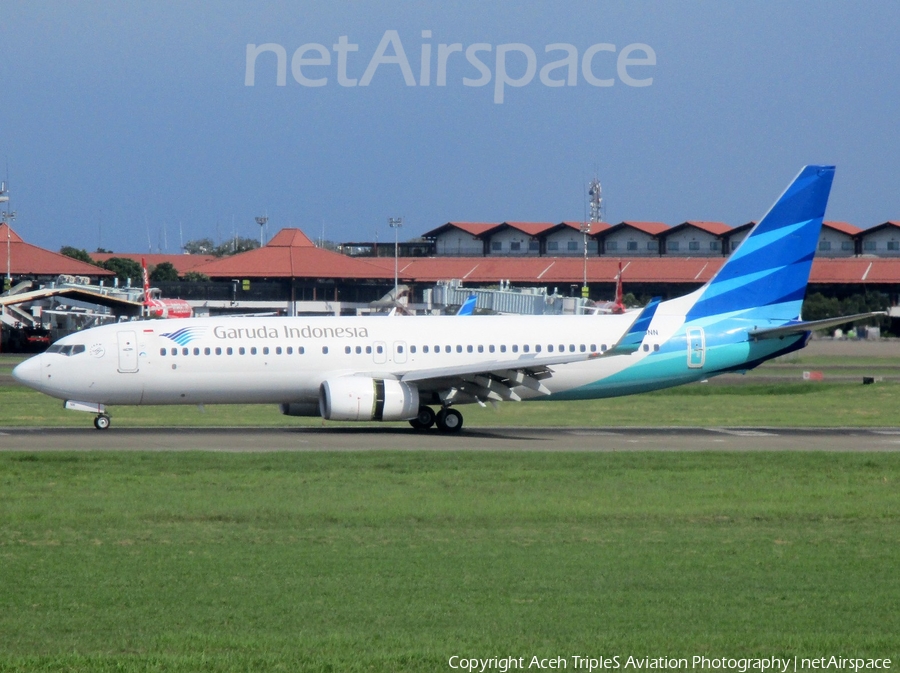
(77,253)
(195,277)
(200,246)
(164,272)
(125,269)
(205,246)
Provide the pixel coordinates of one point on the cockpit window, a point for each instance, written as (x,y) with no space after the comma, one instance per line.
(66,350)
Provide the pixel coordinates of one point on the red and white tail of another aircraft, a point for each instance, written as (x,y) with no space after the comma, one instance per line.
(157,307)
(615,307)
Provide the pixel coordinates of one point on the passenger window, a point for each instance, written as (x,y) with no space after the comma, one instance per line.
(173,351)
(550,348)
(424,349)
(290,350)
(468,349)
(593,348)
(582,348)
(525,348)
(515,348)
(162,351)
(379,349)
(300,350)
(602,348)
(502,348)
(206,351)
(218,351)
(646,347)
(491,348)
(242,351)
(277,350)
(253,350)
(324,350)
(347,350)
(458,348)
(229,351)
(537,348)
(412,349)
(196,351)
(399,349)
(265,350)
(480,348)
(655,347)
(368,350)
(571,348)
(185,351)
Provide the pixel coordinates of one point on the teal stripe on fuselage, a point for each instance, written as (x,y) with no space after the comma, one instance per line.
(668,367)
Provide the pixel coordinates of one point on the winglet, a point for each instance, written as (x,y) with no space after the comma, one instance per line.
(632,339)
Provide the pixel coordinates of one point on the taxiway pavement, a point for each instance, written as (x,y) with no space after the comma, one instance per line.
(470,439)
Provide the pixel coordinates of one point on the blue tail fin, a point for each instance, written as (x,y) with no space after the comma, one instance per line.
(770,269)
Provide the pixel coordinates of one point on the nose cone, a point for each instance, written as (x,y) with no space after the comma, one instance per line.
(29,372)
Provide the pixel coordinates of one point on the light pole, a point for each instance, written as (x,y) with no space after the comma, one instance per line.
(261,221)
(395,223)
(5,218)
(595,195)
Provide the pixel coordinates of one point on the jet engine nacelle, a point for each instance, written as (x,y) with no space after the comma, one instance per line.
(361,398)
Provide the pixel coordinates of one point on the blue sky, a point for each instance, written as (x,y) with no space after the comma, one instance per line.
(130,126)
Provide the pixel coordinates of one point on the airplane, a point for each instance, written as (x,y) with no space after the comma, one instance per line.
(155,306)
(406,368)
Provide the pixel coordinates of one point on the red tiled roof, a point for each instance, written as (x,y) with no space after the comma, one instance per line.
(855,270)
(651,228)
(473,228)
(883,225)
(182,263)
(290,254)
(530,228)
(30,260)
(843,227)
(550,270)
(596,227)
(714,228)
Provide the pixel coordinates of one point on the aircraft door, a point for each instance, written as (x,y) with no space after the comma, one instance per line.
(400,351)
(128,352)
(379,352)
(696,345)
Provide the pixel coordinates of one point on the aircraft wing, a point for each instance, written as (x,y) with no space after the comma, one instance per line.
(801,326)
(496,380)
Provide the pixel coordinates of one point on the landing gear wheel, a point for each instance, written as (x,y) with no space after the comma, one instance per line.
(424,420)
(449,420)
(101,422)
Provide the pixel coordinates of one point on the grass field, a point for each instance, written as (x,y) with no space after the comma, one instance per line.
(390,562)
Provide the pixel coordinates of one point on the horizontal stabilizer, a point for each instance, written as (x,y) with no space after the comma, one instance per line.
(801,326)
(631,342)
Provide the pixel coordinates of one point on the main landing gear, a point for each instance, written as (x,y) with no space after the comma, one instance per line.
(101,422)
(447,419)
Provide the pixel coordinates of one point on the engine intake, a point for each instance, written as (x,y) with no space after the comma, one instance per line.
(361,398)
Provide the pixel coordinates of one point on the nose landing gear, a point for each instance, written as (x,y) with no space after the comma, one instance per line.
(101,422)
